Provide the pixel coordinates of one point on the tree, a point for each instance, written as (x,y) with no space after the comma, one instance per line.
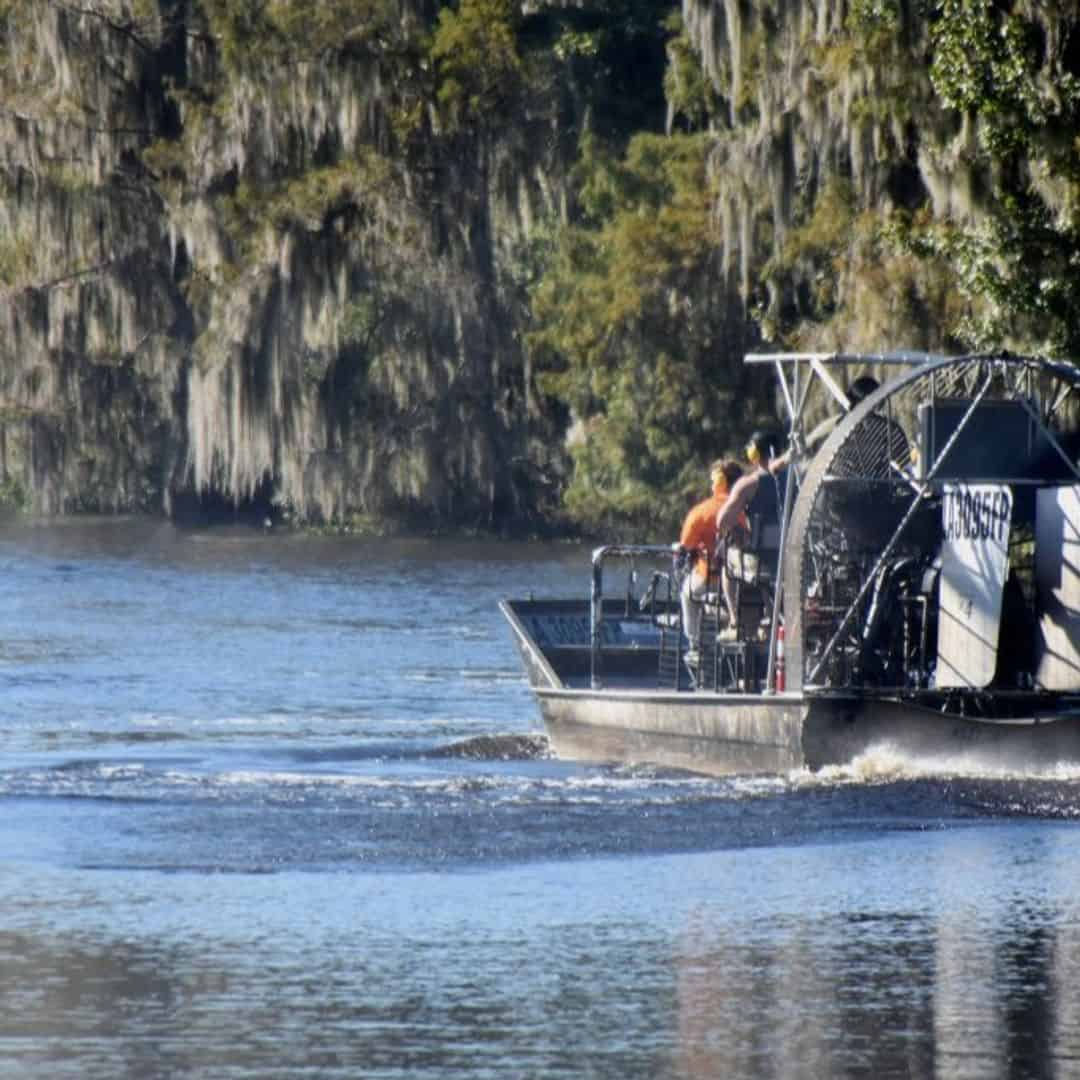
(1011,79)
(637,337)
(480,69)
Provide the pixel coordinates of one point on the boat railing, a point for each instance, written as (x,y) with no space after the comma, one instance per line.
(661,591)
(732,652)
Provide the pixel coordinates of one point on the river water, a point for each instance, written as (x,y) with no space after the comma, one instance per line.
(279,806)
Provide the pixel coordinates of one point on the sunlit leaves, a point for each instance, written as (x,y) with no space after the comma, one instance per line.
(965,75)
(987,63)
(476,55)
(249,32)
(631,322)
(1016,263)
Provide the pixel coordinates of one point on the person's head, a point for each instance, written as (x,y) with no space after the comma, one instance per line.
(723,473)
(761,448)
(862,388)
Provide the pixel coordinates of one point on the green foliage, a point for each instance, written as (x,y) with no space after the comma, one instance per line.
(1017,264)
(632,332)
(691,97)
(361,321)
(18,258)
(165,158)
(479,67)
(868,18)
(874,37)
(239,27)
(307,202)
(72,177)
(804,277)
(1016,272)
(826,231)
(249,32)
(987,62)
(329,24)
(1003,273)
(866,289)
(13,496)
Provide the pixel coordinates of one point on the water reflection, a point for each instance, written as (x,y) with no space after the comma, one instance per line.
(838,997)
(841,995)
(416,1008)
(79,1009)
(986,989)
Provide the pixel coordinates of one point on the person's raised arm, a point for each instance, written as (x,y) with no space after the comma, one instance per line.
(741,494)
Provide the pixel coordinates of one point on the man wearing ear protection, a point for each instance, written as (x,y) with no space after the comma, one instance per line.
(756,493)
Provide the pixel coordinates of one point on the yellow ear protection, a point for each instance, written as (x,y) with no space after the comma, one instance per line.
(753,454)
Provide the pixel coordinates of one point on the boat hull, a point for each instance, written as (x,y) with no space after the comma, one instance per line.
(724,735)
(707,734)
(628,719)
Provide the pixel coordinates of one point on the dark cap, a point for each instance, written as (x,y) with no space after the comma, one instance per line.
(862,388)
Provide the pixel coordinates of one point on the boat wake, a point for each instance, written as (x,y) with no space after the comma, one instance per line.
(496,748)
(887,762)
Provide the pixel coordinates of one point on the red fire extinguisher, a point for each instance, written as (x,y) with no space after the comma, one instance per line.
(780,660)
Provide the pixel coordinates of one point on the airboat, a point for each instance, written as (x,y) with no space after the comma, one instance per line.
(918,590)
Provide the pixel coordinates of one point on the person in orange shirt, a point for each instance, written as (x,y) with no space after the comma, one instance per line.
(698,537)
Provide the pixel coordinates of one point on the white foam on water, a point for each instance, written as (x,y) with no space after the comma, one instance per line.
(121,772)
(465,631)
(507,674)
(887,761)
(265,719)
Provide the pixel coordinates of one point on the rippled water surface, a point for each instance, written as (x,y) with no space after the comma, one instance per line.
(277,806)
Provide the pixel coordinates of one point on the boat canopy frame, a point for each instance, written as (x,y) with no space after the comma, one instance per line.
(797,373)
(962,381)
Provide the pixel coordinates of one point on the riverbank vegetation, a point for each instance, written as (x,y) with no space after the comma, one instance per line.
(496,265)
